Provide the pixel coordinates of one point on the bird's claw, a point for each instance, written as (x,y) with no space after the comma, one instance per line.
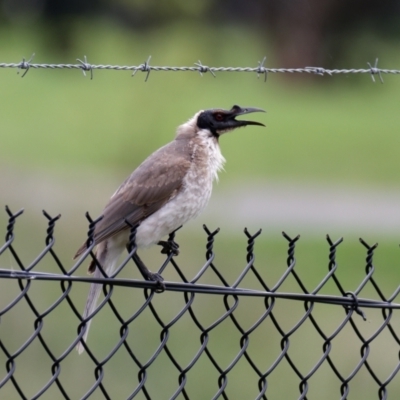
(159,280)
(169,246)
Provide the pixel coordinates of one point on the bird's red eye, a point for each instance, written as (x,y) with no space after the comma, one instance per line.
(219,117)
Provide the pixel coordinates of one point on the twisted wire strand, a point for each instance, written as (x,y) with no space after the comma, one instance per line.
(85,66)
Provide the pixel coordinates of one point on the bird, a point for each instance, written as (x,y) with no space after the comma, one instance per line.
(169,188)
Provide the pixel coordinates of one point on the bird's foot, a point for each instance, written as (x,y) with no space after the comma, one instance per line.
(155,277)
(169,246)
(148,275)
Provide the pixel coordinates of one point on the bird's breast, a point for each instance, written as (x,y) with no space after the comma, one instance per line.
(191,198)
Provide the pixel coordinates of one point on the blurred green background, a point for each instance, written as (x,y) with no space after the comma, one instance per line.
(327,162)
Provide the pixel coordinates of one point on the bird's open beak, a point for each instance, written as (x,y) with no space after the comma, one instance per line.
(236,111)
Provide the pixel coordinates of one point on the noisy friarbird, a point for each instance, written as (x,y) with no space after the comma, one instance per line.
(172,186)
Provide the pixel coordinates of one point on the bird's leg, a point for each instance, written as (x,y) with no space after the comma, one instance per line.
(169,246)
(148,275)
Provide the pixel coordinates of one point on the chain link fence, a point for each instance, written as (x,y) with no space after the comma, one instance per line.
(226,339)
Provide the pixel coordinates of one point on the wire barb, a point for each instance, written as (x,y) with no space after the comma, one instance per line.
(250,242)
(374,70)
(210,240)
(144,68)
(10,225)
(86,67)
(25,65)
(50,229)
(261,69)
(132,235)
(204,69)
(92,226)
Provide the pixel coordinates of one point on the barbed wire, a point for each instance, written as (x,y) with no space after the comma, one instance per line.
(260,69)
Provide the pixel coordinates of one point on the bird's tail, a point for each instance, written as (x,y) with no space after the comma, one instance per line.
(90,306)
(107,260)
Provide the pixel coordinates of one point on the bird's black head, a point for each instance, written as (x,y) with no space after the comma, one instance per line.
(219,121)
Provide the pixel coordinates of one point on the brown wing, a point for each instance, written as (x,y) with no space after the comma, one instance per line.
(150,186)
